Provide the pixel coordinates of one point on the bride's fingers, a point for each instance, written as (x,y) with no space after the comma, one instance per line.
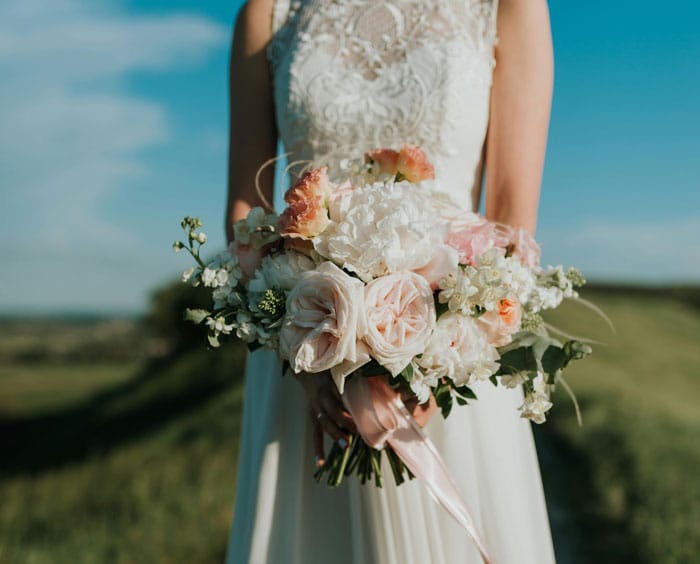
(336,411)
(333,430)
(317,434)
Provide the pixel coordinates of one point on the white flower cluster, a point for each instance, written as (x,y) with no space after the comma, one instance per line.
(537,402)
(381,229)
(223,275)
(480,287)
(553,286)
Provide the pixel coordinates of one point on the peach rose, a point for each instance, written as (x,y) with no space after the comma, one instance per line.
(410,163)
(400,312)
(306,214)
(304,219)
(324,320)
(313,184)
(500,324)
(413,164)
(386,159)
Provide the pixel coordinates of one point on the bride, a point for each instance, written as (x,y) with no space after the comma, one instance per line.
(332,78)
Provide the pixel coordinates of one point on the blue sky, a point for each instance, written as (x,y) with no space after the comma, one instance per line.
(114,117)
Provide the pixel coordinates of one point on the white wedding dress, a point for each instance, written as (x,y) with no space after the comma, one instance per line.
(350,75)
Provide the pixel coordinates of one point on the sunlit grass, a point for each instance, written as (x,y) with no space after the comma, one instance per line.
(111,462)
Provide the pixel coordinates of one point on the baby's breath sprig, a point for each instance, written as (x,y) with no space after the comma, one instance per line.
(195,239)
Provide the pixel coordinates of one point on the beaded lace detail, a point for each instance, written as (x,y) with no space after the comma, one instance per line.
(350,75)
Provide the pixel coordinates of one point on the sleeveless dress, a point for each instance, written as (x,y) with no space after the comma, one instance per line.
(350,75)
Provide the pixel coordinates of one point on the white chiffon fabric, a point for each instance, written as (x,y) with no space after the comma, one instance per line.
(350,75)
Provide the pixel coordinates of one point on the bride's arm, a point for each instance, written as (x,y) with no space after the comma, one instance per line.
(520,106)
(252,130)
(253,141)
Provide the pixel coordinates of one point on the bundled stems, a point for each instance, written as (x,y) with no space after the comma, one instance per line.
(361,459)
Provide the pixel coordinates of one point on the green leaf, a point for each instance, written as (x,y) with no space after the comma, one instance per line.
(518,360)
(554,359)
(466,392)
(461,400)
(195,315)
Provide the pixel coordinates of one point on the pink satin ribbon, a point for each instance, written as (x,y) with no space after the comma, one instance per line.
(382,419)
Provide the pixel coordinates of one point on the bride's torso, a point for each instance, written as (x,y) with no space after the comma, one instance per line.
(351,75)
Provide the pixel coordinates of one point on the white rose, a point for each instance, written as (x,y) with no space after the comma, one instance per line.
(458,350)
(400,313)
(324,320)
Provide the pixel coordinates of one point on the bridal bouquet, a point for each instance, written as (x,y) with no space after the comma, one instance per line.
(378,274)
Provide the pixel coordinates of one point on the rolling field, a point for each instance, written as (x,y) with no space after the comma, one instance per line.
(132,458)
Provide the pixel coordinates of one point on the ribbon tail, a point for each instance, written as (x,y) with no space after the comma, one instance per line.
(382,419)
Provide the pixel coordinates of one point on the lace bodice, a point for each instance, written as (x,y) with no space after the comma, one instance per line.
(351,75)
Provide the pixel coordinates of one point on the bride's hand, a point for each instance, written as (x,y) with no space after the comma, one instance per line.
(327,412)
(421,412)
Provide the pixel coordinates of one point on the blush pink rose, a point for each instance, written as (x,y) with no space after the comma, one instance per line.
(324,320)
(500,324)
(471,241)
(526,248)
(400,313)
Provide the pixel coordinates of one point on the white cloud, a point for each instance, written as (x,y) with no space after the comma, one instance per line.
(654,250)
(72,135)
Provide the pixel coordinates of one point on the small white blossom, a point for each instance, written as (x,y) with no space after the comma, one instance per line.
(221,277)
(221,296)
(245,328)
(178,246)
(219,326)
(202,238)
(209,277)
(536,403)
(187,274)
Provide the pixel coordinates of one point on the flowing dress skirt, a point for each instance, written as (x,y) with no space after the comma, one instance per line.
(282,516)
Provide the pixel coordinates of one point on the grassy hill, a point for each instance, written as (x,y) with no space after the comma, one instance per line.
(132,458)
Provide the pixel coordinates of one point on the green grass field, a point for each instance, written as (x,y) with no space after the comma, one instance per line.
(135,460)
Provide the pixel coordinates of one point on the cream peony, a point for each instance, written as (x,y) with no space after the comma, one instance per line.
(458,350)
(400,313)
(381,229)
(323,321)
